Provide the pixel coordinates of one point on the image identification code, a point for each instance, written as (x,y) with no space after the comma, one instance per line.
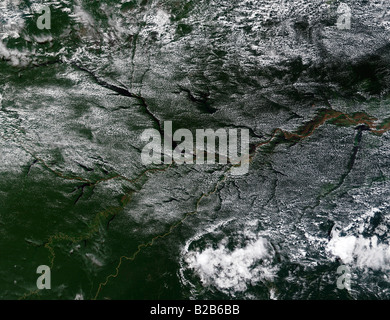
(217,309)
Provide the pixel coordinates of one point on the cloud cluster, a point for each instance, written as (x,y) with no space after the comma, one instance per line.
(233,270)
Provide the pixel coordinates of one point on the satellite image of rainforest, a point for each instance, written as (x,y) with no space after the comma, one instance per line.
(194,149)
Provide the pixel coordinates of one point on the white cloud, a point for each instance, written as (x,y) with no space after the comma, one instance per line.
(233,270)
(15,57)
(359,251)
(343,247)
